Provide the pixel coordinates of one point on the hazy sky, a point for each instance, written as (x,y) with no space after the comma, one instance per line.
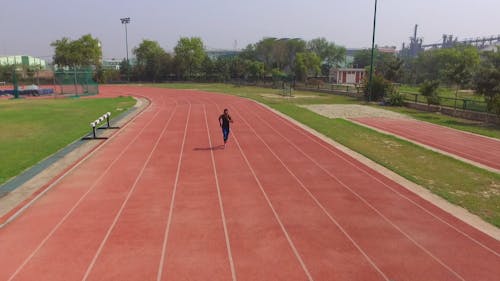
(29,26)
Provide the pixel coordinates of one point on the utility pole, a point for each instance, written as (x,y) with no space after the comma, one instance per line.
(373,47)
(126,21)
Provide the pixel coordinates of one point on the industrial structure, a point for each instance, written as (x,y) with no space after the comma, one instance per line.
(416,45)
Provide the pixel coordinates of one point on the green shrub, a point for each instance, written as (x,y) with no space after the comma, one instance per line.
(429,89)
(379,86)
(395,98)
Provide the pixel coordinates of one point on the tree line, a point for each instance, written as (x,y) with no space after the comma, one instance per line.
(293,58)
(283,57)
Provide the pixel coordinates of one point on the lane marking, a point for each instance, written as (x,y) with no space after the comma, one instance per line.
(63,219)
(441,147)
(429,147)
(303,186)
(350,162)
(354,193)
(58,178)
(172,201)
(285,232)
(221,206)
(129,194)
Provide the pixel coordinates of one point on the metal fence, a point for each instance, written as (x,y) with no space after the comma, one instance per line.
(455,103)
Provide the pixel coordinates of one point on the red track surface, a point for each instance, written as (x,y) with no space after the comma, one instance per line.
(162,201)
(476,148)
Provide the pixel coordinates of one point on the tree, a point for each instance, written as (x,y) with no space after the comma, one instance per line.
(330,54)
(487,80)
(255,69)
(153,62)
(307,64)
(458,65)
(385,64)
(391,68)
(362,58)
(249,53)
(189,54)
(276,53)
(378,88)
(125,67)
(85,51)
(450,65)
(429,89)
(264,52)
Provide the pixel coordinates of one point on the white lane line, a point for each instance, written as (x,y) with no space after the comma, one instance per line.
(355,194)
(221,206)
(63,219)
(122,207)
(429,147)
(303,186)
(353,164)
(282,226)
(172,201)
(463,154)
(61,177)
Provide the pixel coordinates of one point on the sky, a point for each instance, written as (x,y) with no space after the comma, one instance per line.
(29,26)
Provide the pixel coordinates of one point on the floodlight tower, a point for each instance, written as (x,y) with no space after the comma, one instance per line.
(126,21)
(371,60)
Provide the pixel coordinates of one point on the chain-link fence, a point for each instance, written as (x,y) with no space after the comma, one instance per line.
(76,81)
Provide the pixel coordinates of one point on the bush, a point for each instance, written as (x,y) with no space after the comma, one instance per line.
(395,98)
(429,90)
(379,86)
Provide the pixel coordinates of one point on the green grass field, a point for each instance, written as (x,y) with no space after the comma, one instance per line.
(31,130)
(460,183)
(445,92)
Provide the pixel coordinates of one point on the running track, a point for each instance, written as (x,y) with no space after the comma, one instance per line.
(161,201)
(485,151)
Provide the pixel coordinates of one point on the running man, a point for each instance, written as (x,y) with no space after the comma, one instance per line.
(224,120)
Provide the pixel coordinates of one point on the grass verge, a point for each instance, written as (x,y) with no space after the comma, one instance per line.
(473,188)
(33,129)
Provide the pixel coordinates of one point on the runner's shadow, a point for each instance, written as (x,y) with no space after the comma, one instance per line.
(218,147)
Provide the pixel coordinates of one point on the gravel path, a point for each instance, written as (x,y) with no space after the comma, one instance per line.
(352,111)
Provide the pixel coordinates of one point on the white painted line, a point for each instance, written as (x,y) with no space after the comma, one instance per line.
(296,126)
(354,193)
(437,148)
(81,198)
(349,237)
(129,194)
(282,226)
(172,201)
(221,206)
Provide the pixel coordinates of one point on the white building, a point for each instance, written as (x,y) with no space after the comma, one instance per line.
(23,60)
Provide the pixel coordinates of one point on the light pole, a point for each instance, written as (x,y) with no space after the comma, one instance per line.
(373,47)
(126,21)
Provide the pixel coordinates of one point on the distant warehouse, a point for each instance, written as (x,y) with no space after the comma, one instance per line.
(27,61)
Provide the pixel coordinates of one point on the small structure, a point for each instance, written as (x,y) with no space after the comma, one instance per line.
(347,75)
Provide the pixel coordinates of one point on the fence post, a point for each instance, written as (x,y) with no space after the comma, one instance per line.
(416,98)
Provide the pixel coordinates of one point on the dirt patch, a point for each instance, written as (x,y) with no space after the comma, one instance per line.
(352,111)
(12,199)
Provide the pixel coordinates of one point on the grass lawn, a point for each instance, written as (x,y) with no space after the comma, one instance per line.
(444,92)
(33,129)
(460,183)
